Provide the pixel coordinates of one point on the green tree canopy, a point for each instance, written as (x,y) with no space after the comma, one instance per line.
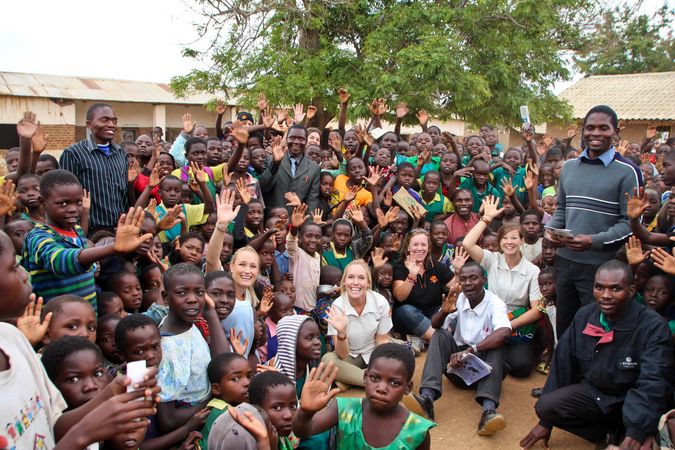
(628,42)
(478,60)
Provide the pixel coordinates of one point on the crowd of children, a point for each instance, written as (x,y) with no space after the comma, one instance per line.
(226,295)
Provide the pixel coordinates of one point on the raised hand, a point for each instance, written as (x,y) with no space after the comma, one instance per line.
(634,251)
(27,127)
(152,207)
(378,258)
(651,132)
(423,157)
(507,187)
(548,140)
(262,103)
(316,217)
(530,180)
(363,136)
(316,392)
(298,217)
(281,118)
(198,171)
(293,199)
(337,320)
(466,172)
(375,177)
(391,214)
(278,152)
(664,260)
(29,323)
(528,133)
(572,131)
(235,342)
(243,191)
(381,107)
(381,219)
(154,179)
(220,107)
(266,301)
(414,267)
(226,176)
(225,209)
(311,112)
(541,148)
(128,236)
(192,183)
(490,204)
(39,141)
(401,110)
(659,163)
(374,107)
(460,258)
(450,300)
(298,113)
(344,96)
(133,171)
(239,132)
(423,117)
(637,204)
(188,124)
(396,240)
(623,146)
(355,213)
(335,142)
(268,119)
(162,263)
(387,198)
(170,219)
(533,167)
(7,196)
(351,193)
(86,200)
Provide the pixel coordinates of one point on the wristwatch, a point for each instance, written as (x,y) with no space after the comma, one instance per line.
(475,350)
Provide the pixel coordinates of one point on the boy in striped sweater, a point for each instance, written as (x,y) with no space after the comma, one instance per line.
(56,253)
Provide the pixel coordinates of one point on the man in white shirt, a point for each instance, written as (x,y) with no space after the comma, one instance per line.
(482,327)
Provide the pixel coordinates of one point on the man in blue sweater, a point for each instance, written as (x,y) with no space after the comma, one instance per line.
(593,205)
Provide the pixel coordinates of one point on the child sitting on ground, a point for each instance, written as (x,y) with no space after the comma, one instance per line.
(390,424)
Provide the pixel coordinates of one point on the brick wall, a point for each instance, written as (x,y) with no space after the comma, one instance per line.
(60,136)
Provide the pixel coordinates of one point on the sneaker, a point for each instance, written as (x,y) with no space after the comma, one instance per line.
(421,405)
(490,423)
(416,344)
(408,345)
(536,392)
(425,344)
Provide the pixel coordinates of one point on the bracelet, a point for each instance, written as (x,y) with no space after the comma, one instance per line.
(222,231)
(485,220)
(342,338)
(410,280)
(474,348)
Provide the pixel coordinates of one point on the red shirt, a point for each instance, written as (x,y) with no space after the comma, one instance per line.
(458,227)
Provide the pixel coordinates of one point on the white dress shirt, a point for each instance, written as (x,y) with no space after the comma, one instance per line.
(474,325)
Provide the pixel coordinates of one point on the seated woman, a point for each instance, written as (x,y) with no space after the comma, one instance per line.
(515,281)
(418,288)
(358,321)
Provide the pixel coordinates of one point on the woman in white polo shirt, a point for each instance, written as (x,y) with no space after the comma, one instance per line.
(514,280)
(358,321)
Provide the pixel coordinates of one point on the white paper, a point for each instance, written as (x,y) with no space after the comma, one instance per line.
(377,132)
(473,369)
(560,233)
(136,370)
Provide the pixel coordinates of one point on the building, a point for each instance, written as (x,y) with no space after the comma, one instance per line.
(61,105)
(640,101)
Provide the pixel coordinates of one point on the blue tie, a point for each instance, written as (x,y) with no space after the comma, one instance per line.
(294,163)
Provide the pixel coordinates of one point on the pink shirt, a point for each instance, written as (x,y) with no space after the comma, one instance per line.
(306,270)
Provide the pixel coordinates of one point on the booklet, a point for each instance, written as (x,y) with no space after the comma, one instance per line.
(473,369)
(559,233)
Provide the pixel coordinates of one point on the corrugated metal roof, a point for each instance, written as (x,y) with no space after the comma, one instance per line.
(80,88)
(640,96)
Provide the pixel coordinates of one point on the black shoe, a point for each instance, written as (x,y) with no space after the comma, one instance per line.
(536,392)
(421,405)
(490,423)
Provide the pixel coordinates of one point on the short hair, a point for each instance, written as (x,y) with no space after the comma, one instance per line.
(102,320)
(636,161)
(12,150)
(297,125)
(548,271)
(56,353)
(474,264)
(182,239)
(168,178)
(437,223)
(212,277)
(47,157)
(219,365)
(55,305)
(396,352)
(554,150)
(262,383)
(431,172)
(128,324)
(454,197)
(195,140)
(156,127)
(179,270)
(670,155)
(306,225)
(103,300)
(324,174)
(93,109)
(329,272)
(113,281)
(405,165)
(489,127)
(55,178)
(605,110)
(529,212)
(125,144)
(616,265)
(212,138)
(670,283)
(29,176)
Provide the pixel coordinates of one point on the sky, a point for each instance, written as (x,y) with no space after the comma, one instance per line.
(138,40)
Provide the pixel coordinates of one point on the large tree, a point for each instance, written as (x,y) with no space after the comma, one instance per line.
(625,41)
(478,60)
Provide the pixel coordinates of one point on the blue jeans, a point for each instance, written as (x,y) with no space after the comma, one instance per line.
(410,320)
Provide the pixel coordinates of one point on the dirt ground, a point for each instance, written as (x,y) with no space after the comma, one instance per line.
(457,416)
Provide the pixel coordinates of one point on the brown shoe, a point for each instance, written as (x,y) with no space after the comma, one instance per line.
(490,423)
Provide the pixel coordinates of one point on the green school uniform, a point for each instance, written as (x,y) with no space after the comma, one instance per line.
(218,407)
(439,205)
(433,165)
(332,258)
(517,180)
(467,183)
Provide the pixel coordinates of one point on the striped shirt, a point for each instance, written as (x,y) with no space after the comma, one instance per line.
(50,256)
(103,176)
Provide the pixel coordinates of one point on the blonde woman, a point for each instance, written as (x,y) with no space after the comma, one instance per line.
(358,321)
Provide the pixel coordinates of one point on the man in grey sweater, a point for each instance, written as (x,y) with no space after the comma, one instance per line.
(592,204)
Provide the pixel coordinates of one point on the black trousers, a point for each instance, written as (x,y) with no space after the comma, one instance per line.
(573,409)
(441,348)
(573,289)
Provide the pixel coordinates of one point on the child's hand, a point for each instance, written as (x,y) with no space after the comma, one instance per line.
(235,342)
(528,133)
(459,258)
(507,187)
(29,323)
(220,107)
(423,117)
(188,124)
(316,217)
(198,172)
(401,110)
(335,142)
(191,442)
(86,200)
(450,300)
(387,198)
(244,194)
(530,180)
(226,176)
(396,242)
(225,209)
(293,199)
(663,260)
(270,366)
(7,196)
(344,96)
(311,112)
(351,193)
(381,219)
(268,119)
(531,165)
(548,140)
(423,157)
(506,167)
(248,420)
(266,302)
(659,162)
(374,107)
(315,393)
(197,421)
(162,263)
(466,172)
(298,113)
(637,204)
(133,171)
(651,132)
(152,208)
(634,251)
(490,204)
(154,179)
(541,148)
(39,141)
(378,258)
(623,146)
(572,131)
(356,214)
(262,102)
(239,132)
(192,183)
(26,128)
(128,238)
(298,217)
(170,219)
(381,107)
(148,387)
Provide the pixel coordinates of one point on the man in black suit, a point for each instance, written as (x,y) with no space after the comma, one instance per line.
(288,170)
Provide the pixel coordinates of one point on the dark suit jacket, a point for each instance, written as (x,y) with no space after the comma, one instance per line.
(305,183)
